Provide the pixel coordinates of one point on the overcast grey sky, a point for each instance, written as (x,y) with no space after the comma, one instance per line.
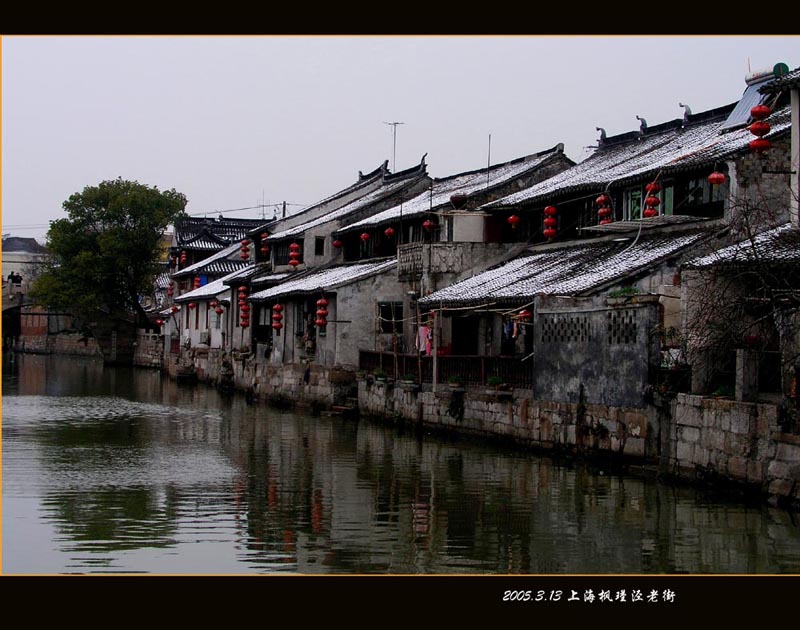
(234,121)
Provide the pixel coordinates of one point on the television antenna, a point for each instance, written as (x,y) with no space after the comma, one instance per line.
(393,125)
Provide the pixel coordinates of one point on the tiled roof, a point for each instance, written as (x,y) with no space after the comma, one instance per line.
(207,291)
(271,278)
(778,245)
(326,279)
(162,281)
(787,81)
(362,202)
(464,183)
(217,264)
(577,269)
(647,223)
(22,244)
(675,148)
(363,181)
(205,234)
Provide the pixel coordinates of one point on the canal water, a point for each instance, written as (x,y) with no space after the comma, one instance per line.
(121,470)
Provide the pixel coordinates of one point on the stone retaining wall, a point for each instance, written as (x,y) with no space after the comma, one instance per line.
(65,343)
(740,442)
(575,427)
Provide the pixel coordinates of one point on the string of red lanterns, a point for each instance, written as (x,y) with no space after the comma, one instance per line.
(245,255)
(760,128)
(604,211)
(244,309)
(550,222)
(651,202)
(322,314)
(264,246)
(294,255)
(277,317)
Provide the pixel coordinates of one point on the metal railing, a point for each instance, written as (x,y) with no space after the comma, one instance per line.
(473,369)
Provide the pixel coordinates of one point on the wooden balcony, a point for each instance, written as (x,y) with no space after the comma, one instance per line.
(474,370)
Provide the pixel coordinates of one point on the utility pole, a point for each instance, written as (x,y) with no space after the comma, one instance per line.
(393,125)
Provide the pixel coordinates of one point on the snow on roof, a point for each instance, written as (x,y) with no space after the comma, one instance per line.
(162,280)
(674,149)
(363,181)
(216,263)
(576,269)
(777,245)
(210,290)
(326,279)
(270,277)
(202,234)
(463,183)
(340,213)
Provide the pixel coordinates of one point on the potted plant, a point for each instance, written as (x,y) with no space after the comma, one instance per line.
(456,381)
(496,382)
(380,375)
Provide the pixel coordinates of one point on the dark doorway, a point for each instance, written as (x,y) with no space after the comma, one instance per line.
(465,334)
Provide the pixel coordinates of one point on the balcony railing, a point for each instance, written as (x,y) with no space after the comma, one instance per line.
(473,369)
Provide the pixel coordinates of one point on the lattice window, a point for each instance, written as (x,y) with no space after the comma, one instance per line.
(566,329)
(622,326)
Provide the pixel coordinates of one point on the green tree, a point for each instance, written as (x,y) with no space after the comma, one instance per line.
(104,254)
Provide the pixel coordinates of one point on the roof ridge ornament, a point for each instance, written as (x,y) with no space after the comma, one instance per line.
(686,113)
(602,139)
(642,125)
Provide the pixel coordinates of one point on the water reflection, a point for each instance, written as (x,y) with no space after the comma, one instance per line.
(122,470)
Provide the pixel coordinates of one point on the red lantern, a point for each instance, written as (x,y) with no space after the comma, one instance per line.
(760,112)
(245,242)
(606,221)
(264,236)
(244,256)
(159,322)
(428,224)
(243,288)
(294,263)
(513,220)
(603,200)
(550,211)
(245,309)
(389,232)
(322,302)
(175,308)
(759,128)
(294,247)
(365,237)
(322,312)
(524,315)
(192,305)
(716,178)
(277,317)
(759,145)
(650,212)
(245,324)
(550,222)
(604,213)
(320,322)
(549,233)
(277,325)
(265,249)
(652,202)
(337,243)
(277,308)
(213,304)
(219,310)
(652,188)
